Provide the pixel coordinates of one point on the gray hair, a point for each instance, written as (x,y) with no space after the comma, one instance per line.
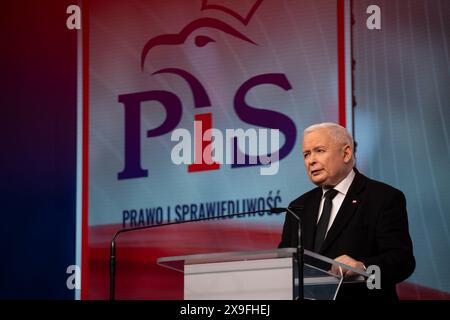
(337,132)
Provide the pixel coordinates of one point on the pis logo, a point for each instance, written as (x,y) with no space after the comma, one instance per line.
(172,104)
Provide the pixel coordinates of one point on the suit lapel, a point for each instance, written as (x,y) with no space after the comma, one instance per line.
(346,211)
(310,219)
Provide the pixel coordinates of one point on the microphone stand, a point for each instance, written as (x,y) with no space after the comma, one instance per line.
(112,257)
(299,253)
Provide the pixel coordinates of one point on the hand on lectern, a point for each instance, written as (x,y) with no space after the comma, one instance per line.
(345,259)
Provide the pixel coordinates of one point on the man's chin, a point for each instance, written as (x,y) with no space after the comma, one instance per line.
(318,181)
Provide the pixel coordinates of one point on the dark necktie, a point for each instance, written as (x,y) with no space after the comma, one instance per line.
(322,226)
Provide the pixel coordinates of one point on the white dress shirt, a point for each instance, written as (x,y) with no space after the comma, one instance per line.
(342,188)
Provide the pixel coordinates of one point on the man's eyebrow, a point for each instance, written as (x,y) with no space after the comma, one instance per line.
(314,148)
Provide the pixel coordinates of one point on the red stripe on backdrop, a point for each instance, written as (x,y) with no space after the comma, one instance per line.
(85,159)
(410,291)
(139,277)
(341,61)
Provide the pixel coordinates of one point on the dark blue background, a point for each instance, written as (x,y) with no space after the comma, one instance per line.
(38,150)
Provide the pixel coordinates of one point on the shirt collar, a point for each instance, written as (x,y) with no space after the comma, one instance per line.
(343,186)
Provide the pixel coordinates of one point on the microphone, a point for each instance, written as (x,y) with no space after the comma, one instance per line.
(112,256)
(277,210)
(300,248)
(300,251)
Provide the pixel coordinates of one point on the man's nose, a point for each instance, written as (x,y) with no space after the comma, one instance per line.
(311,160)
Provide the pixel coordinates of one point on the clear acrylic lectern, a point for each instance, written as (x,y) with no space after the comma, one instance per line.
(257,275)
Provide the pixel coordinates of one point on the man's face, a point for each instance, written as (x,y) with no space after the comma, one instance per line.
(326,161)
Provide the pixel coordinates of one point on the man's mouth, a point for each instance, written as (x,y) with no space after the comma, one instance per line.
(316,172)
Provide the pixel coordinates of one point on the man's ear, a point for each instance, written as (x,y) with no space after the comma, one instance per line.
(348,153)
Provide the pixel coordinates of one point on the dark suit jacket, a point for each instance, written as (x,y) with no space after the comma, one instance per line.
(371,226)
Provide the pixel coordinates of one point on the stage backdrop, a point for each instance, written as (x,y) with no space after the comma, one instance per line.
(402,116)
(155,66)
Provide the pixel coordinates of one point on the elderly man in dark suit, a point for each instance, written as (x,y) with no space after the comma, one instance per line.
(349,217)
